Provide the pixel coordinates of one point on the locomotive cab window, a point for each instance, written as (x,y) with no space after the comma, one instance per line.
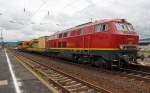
(60,35)
(104,27)
(124,27)
(82,31)
(101,28)
(65,34)
(98,28)
(130,27)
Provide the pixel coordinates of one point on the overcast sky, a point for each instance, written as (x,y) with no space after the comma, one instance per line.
(35,21)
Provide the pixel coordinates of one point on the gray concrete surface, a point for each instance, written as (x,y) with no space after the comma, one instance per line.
(5,75)
(26,81)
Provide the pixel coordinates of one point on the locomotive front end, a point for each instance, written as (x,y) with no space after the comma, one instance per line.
(126,39)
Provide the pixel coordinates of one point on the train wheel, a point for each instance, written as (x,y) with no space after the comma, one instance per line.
(122,64)
(124,61)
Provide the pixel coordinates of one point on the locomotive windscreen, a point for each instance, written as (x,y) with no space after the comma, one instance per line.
(124,27)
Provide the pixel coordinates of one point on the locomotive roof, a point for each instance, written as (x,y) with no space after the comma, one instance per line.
(91,23)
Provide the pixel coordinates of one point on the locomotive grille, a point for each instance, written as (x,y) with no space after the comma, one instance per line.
(128,47)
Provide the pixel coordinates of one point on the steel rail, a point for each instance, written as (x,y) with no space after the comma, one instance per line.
(62,88)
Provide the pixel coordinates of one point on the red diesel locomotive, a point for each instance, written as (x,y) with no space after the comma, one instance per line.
(109,42)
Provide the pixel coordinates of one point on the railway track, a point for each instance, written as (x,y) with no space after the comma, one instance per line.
(143,74)
(139,75)
(63,82)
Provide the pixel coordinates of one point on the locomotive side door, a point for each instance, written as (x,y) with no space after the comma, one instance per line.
(87,42)
(86,36)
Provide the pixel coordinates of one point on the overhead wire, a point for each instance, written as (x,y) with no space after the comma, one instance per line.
(69,5)
(40,8)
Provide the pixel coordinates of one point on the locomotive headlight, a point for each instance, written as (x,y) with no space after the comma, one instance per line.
(121,47)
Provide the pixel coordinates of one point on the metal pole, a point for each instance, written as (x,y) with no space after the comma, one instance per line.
(1,39)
